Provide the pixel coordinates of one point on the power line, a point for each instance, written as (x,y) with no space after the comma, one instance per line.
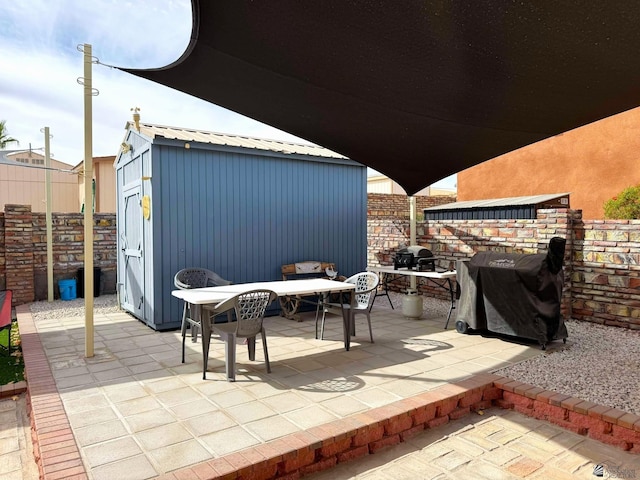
(6,161)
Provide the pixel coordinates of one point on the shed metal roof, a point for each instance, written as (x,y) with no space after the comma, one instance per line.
(498,202)
(230,140)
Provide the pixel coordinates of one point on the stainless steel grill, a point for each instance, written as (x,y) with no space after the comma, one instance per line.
(415,257)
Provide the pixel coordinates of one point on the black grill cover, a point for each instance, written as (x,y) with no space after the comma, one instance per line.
(514,294)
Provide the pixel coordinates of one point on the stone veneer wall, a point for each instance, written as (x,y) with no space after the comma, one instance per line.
(453,240)
(602,261)
(605,276)
(23,253)
(393,205)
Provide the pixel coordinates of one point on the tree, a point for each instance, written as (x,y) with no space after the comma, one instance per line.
(625,205)
(5,139)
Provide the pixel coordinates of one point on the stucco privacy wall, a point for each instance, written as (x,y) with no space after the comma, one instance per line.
(602,261)
(594,162)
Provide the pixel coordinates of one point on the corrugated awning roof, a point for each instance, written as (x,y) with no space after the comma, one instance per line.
(214,138)
(498,202)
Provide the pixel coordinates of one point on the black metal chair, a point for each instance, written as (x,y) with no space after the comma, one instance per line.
(194,278)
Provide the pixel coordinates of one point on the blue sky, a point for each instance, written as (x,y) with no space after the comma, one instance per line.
(40,65)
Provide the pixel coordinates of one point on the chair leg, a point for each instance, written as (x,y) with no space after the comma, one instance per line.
(317,317)
(324,314)
(370,331)
(194,331)
(266,351)
(230,355)
(251,346)
(321,301)
(183,328)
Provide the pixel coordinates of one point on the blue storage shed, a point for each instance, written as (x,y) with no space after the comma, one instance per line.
(239,206)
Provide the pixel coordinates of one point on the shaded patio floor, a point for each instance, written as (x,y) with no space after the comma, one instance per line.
(136,412)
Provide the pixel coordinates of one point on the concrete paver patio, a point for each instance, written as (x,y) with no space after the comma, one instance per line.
(135,411)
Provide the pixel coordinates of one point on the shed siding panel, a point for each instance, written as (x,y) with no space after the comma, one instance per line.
(244,215)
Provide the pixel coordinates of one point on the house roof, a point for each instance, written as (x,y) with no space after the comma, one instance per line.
(499,202)
(108,158)
(417,90)
(230,140)
(9,157)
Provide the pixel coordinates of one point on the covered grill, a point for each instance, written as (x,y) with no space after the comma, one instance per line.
(415,256)
(513,294)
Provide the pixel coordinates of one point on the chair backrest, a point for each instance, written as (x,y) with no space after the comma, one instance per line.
(198,278)
(250,308)
(366,283)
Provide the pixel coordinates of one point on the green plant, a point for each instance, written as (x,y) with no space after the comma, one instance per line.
(625,205)
(11,363)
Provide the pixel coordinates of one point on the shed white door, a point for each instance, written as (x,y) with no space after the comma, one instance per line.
(131,241)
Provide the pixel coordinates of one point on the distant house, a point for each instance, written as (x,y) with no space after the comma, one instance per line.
(22,182)
(104,175)
(593,163)
(383,184)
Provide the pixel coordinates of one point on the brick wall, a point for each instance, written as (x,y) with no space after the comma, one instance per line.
(382,205)
(452,240)
(23,251)
(602,261)
(605,277)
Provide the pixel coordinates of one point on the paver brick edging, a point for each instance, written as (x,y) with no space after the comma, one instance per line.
(54,447)
(605,424)
(325,446)
(11,389)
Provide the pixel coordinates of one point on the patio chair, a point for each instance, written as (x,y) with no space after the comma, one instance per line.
(194,278)
(366,284)
(249,310)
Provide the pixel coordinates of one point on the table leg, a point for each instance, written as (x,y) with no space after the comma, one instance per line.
(205,328)
(452,293)
(347,320)
(386,291)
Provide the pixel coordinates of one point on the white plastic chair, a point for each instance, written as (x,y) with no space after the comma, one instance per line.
(249,309)
(366,284)
(194,278)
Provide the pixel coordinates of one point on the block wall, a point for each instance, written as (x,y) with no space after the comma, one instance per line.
(602,261)
(23,251)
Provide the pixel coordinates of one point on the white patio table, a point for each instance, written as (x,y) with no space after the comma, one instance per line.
(443,280)
(215,296)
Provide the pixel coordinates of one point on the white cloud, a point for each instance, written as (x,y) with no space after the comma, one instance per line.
(38,79)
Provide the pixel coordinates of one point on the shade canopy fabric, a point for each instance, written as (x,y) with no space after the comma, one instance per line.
(417,90)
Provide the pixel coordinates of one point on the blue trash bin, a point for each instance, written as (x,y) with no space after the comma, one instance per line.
(67,289)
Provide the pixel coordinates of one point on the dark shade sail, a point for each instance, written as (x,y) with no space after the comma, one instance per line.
(417,90)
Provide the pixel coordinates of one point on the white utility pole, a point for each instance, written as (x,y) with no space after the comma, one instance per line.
(88,201)
(47,187)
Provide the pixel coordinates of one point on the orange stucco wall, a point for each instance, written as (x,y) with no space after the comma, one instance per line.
(593,163)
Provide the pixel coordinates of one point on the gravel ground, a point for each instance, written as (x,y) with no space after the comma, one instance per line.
(73,308)
(598,363)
